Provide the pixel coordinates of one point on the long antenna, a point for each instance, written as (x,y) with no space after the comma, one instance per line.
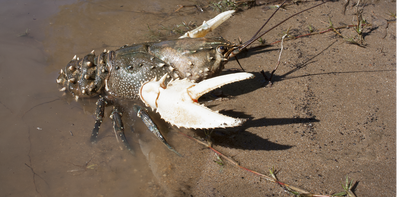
(267,21)
(255,37)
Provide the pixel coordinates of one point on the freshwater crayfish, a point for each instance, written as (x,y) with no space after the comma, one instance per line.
(186,69)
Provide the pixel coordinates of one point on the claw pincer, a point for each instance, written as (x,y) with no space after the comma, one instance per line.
(177,104)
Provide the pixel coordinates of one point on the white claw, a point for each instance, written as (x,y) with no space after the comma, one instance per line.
(208,85)
(177,102)
(209,25)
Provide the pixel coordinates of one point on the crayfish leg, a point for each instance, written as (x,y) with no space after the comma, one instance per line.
(118,126)
(142,114)
(116,120)
(100,105)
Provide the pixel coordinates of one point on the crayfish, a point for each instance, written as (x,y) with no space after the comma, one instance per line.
(167,76)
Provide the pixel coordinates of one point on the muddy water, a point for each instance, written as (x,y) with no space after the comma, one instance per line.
(44,141)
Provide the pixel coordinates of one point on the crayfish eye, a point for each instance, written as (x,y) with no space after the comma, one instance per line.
(222,49)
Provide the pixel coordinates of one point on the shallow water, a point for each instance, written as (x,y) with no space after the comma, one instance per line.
(45,136)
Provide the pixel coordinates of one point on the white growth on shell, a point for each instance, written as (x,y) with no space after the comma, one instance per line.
(177,102)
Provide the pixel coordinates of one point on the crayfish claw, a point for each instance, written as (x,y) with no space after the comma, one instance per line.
(177,103)
(209,25)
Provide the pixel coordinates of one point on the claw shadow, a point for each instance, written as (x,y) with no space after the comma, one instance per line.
(239,138)
(246,141)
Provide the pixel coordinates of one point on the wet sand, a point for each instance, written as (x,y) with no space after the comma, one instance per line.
(330,112)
